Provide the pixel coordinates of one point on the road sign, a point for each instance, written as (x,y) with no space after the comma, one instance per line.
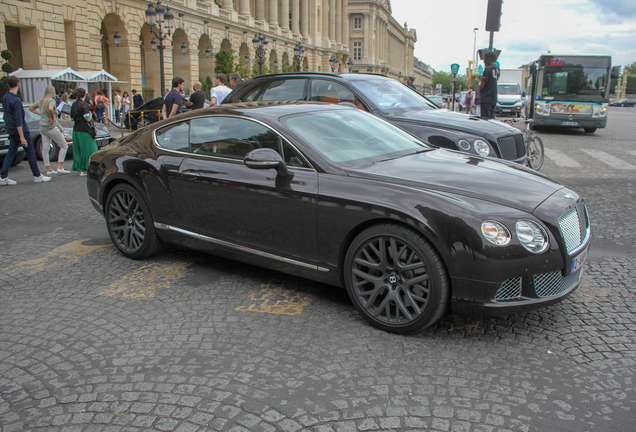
(454,79)
(454,68)
(439,86)
(480,69)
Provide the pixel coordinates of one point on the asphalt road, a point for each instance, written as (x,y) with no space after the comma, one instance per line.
(92,341)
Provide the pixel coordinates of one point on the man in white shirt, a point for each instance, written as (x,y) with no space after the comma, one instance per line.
(218,93)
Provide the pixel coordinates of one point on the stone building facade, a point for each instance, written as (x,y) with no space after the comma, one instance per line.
(56,34)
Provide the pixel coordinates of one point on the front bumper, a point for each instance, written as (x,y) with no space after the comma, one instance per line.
(570,121)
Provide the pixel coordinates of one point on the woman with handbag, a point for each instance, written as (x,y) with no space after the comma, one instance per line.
(50,130)
(84,133)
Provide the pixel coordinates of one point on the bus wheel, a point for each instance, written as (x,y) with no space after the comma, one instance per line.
(589,130)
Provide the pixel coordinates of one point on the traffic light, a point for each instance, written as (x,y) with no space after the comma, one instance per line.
(493,16)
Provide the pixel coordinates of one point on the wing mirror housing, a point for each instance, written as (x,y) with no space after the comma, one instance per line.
(265,158)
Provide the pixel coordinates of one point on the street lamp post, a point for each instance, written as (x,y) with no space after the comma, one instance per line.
(260,46)
(334,62)
(299,54)
(475,50)
(350,65)
(163,18)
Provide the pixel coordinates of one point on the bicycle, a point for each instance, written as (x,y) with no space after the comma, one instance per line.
(534,144)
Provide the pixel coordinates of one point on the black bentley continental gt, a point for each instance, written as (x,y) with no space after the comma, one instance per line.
(337,195)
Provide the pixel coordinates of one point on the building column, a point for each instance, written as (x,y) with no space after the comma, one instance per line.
(345,15)
(332,20)
(260,10)
(284,15)
(245,7)
(367,39)
(325,23)
(374,38)
(339,21)
(295,16)
(304,17)
(228,4)
(273,12)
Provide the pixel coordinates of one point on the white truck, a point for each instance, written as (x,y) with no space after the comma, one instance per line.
(510,95)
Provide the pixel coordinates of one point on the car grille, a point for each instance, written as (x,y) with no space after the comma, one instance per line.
(507,103)
(545,285)
(573,225)
(509,290)
(551,284)
(511,147)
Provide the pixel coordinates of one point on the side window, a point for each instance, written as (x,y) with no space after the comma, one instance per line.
(293,158)
(291,89)
(332,92)
(230,137)
(251,94)
(174,136)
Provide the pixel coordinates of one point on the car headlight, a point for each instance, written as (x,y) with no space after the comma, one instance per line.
(599,111)
(531,236)
(68,133)
(542,109)
(495,232)
(464,145)
(482,148)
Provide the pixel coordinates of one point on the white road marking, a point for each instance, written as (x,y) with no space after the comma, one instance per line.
(559,158)
(610,160)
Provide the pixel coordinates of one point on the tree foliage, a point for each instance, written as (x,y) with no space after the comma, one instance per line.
(445,79)
(243,69)
(224,62)
(631,68)
(7,68)
(206,85)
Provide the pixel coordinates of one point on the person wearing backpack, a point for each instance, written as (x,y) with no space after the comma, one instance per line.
(100,106)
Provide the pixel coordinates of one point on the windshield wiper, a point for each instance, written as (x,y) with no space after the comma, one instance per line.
(408,154)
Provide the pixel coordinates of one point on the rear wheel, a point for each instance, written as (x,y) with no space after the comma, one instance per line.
(589,130)
(143,123)
(37,145)
(130,224)
(396,279)
(535,153)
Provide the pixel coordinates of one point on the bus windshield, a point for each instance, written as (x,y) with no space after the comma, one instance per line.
(574,78)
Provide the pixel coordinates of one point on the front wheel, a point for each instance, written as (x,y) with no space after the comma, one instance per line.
(396,279)
(130,224)
(589,130)
(535,153)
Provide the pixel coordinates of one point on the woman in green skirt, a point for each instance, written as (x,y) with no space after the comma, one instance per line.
(84,144)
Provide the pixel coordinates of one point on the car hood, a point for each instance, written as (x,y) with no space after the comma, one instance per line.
(458,173)
(449,120)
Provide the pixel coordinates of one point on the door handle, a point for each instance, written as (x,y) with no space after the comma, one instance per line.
(192,173)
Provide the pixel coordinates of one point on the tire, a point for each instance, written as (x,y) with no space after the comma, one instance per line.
(589,130)
(130,224)
(143,124)
(535,153)
(54,152)
(401,298)
(38,148)
(18,158)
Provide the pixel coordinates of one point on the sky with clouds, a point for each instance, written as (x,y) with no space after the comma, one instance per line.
(528,28)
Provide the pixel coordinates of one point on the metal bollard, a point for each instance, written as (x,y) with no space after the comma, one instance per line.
(142,118)
(121,123)
(129,122)
(159,115)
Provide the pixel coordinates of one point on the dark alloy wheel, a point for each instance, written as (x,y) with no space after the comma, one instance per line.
(396,279)
(130,224)
(142,124)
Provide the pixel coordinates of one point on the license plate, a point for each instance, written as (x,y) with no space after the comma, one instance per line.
(579,260)
(570,123)
(4,142)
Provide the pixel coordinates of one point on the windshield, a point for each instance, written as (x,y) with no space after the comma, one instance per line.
(390,94)
(352,137)
(574,79)
(508,89)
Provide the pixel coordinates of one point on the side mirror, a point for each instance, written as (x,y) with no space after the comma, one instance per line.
(616,72)
(265,158)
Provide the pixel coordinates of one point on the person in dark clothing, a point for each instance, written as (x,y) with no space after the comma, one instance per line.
(411,83)
(197,99)
(138,99)
(18,130)
(172,101)
(488,86)
(235,80)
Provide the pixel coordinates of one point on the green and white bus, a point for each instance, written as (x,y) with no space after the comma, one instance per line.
(570,90)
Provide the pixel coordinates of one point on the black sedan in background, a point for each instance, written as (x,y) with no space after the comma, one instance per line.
(396,103)
(627,102)
(151,113)
(335,194)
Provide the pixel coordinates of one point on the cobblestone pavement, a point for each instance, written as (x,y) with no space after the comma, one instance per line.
(92,341)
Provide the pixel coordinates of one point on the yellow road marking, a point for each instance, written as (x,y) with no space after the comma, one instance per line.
(69,252)
(277,300)
(145,281)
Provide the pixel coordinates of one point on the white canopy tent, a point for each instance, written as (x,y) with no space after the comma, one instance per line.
(33,82)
